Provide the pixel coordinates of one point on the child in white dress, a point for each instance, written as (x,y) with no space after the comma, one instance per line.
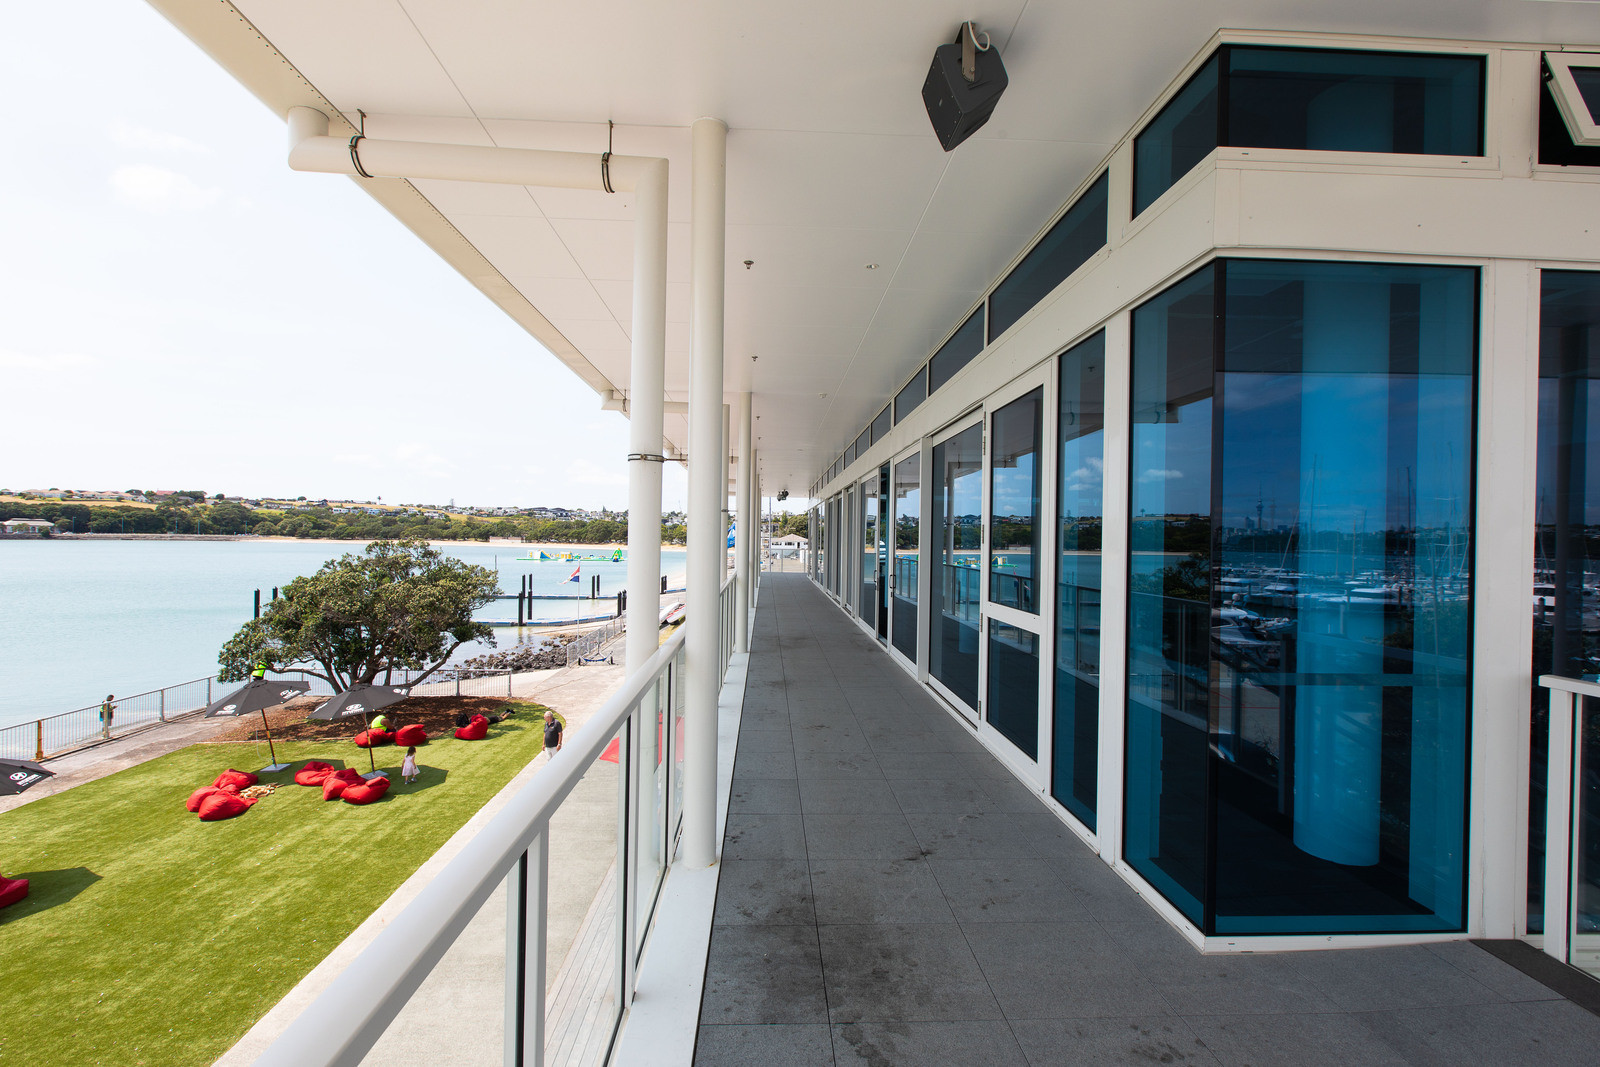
(408,769)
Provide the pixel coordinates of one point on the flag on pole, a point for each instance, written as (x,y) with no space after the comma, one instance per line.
(575,571)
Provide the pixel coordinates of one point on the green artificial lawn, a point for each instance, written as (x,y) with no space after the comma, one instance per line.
(150,937)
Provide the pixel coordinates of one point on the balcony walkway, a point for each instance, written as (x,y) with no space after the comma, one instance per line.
(891,895)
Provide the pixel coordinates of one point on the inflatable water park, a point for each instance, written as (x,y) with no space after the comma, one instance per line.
(617,556)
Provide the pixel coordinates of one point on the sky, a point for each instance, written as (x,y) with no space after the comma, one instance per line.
(179,310)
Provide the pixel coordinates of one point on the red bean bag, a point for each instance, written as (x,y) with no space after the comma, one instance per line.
(235,780)
(223,805)
(477,729)
(12,890)
(336,783)
(200,794)
(313,773)
(368,791)
(415,734)
(369,738)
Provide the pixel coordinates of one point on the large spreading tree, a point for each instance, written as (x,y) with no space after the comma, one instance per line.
(396,606)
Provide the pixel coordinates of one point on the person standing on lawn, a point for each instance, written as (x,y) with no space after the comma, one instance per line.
(552,734)
(107,710)
(408,768)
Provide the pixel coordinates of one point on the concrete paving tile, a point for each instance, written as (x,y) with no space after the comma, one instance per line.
(945,795)
(851,764)
(985,836)
(1220,984)
(1546,1033)
(763,974)
(1062,970)
(922,764)
(770,1046)
(877,891)
(859,836)
(1017,890)
(1498,975)
(820,796)
(753,740)
(1294,1040)
(764,893)
(1111,1042)
(763,765)
(765,796)
(903,973)
(1008,794)
(1103,893)
(927,1044)
(764,837)
(1382,979)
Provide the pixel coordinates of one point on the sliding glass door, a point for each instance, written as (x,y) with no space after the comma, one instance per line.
(1013,647)
(1080,493)
(906,555)
(955,593)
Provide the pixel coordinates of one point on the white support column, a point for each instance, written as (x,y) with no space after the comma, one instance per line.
(1114,588)
(1508,424)
(707,551)
(727,515)
(743,557)
(646,391)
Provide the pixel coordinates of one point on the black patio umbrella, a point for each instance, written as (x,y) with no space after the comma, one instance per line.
(360,700)
(18,774)
(259,694)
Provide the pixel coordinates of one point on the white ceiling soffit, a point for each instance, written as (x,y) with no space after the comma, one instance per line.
(831,161)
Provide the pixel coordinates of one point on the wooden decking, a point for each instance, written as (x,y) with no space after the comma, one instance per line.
(580,1003)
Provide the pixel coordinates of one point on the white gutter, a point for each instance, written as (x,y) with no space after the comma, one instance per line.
(311,149)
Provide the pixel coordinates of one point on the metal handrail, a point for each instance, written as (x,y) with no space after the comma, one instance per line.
(341,1025)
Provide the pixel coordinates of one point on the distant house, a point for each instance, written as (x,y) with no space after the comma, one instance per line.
(29,527)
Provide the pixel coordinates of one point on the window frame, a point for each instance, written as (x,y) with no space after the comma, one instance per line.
(1580,121)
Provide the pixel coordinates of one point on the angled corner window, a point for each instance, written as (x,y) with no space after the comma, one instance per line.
(956,352)
(1183,134)
(1573,79)
(1079,234)
(914,393)
(880,425)
(1325,100)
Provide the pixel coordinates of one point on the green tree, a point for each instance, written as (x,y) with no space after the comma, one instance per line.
(397,605)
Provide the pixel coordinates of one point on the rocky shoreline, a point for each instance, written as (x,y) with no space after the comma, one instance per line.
(545,653)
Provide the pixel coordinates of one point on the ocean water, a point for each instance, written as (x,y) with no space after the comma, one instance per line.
(80,619)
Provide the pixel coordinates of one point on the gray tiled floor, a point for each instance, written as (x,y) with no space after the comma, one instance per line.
(890,895)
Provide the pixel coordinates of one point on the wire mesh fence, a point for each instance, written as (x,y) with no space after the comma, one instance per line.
(587,645)
(116,716)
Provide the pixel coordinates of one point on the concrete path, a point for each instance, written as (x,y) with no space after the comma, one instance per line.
(891,894)
(109,757)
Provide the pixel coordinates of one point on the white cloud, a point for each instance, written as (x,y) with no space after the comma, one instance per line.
(586,472)
(45,361)
(159,190)
(1087,476)
(1156,474)
(143,138)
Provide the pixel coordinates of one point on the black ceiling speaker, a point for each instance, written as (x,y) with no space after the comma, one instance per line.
(964,84)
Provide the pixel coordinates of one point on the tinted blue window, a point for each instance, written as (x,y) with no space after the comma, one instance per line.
(1169,591)
(1075,768)
(914,393)
(955,592)
(1316,99)
(956,352)
(1014,527)
(1425,104)
(881,424)
(1303,661)
(1012,706)
(1183,134)
(1079,234)
(1566,566)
